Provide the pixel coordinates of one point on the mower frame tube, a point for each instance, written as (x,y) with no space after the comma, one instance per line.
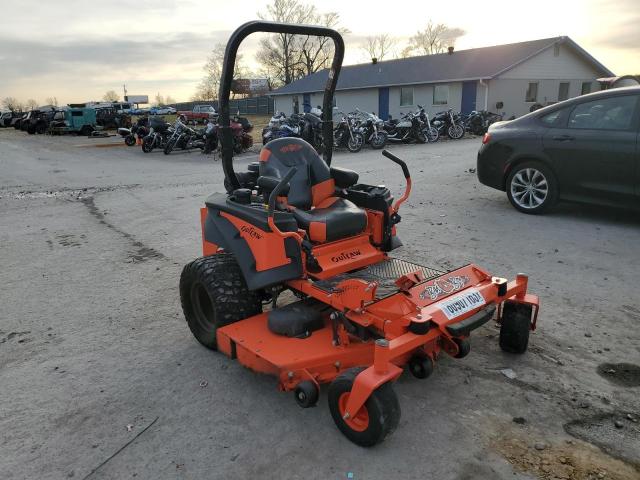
(407,176)
(226,135)
(385,351)
(272,205)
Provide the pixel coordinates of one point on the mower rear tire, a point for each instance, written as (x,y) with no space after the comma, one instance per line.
(306,394)
(515,327)
(377,418)
(213,294)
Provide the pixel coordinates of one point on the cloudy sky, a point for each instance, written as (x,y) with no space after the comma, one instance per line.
(77,49)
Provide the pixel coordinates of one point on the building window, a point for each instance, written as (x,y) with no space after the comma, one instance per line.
(440,94)
(556,50)
(532,93)
(563,91)
(586,88)
(406,96)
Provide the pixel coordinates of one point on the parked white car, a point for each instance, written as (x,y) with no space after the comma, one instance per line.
(162,111)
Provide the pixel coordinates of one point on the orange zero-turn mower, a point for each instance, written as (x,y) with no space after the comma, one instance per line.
(294,222)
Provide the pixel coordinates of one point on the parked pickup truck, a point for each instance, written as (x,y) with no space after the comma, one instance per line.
(199,114)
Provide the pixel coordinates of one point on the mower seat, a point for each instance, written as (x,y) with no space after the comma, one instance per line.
(333,219)
(311,197)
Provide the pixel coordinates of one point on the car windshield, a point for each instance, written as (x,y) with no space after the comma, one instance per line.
(207,108)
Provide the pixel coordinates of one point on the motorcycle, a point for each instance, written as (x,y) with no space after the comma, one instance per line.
(240,128)
(478,122)
(159,132)
(280,126)
(210,138)
(428,129)
(371,127)
(312,130)
(406,130)
(183,137)
(139,129)
(449,123)
(345,135)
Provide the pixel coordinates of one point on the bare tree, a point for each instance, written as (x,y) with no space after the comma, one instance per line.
(169,100)
(208,88)
(159,100)
(31,104)
(379,46)
(52,101)
(316,52)
(12,104)
(435,38)
(289,57)
(278,52)
(111,96)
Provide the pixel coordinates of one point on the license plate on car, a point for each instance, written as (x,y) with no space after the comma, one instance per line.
(462,303)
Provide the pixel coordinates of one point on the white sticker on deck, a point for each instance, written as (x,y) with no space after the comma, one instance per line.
(462,303)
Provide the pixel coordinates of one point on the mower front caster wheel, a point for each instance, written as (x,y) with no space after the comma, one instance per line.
(377,418)
(421,367)
(464,347)
(515,326)
(306,394)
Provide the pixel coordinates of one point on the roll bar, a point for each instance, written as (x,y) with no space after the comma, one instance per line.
(226,136)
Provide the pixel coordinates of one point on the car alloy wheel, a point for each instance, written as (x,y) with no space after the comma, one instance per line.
(529,188)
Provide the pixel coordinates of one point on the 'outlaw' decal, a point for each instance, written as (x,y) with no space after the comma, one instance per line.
(251,232)
(345,256)
(444,286)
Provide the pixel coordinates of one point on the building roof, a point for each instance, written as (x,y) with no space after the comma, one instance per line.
(472,64)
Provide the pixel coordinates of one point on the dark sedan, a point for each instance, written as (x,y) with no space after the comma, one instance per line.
(585,149)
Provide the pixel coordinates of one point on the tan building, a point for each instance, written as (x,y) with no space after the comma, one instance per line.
(507,79)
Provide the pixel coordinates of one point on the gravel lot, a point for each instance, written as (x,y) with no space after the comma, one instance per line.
(94,348)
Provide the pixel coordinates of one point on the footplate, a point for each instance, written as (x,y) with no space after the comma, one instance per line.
(384,273)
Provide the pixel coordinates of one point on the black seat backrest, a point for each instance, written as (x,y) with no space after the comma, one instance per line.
(311,184)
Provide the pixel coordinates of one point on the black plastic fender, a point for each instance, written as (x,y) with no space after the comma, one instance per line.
(223,233)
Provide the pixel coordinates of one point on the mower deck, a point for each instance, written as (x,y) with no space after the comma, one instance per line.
(252,343)
(255,346)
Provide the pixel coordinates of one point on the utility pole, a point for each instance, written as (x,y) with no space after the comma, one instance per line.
(124,87)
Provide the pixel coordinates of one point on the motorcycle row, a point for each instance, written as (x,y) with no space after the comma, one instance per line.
(358,128)
(155,133)
(352,130)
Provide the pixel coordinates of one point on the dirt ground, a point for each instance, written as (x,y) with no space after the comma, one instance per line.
(101,378)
